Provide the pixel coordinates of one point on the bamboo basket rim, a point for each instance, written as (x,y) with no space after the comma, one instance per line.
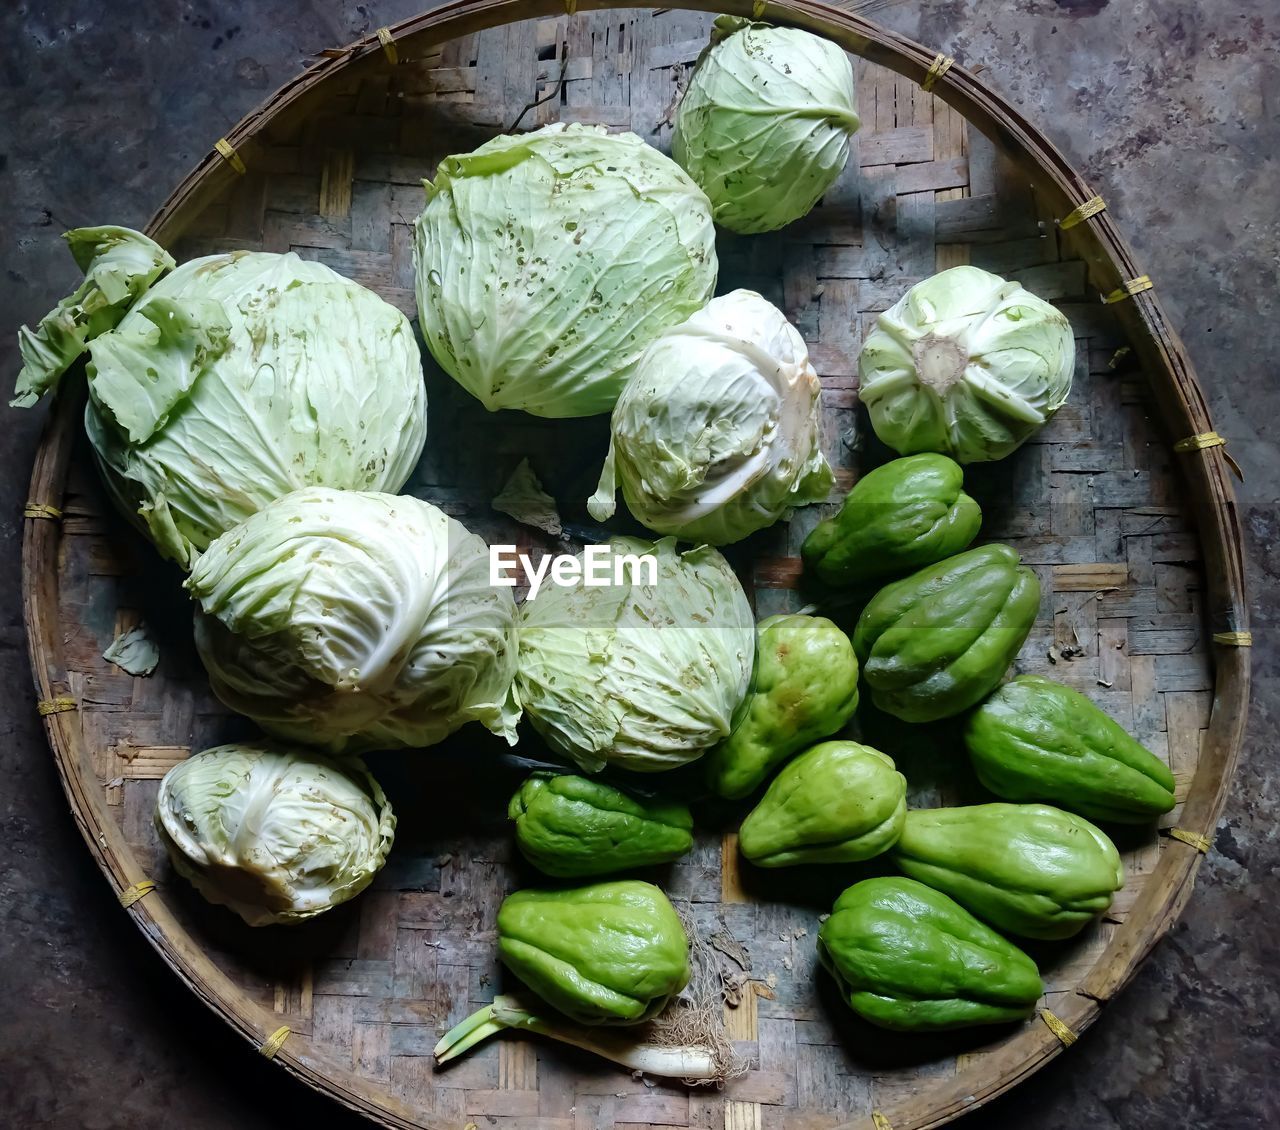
(1112,265)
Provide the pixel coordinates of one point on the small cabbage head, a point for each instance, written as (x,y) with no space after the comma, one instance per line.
(965,364)
(638,675)
(547,261)
(118,265)
(355,620)
(718,433)
(242,377)
(764,127)
(279,835)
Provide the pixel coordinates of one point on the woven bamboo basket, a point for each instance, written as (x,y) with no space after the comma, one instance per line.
(1132,533)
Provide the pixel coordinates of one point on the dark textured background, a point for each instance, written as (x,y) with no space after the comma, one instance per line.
(1167,107)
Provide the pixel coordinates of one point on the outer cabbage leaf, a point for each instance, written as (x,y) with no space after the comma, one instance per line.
(523,499)
(118,265)
(356,620)
(966,364)
(764,127)
(718,433)
(646,677)
(134,651)
(547,261)
(276,834)
(239,378)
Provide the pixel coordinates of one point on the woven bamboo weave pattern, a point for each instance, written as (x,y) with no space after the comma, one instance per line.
(1094,504)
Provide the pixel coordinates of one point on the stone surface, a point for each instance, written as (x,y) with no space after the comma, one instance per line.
(1162,104)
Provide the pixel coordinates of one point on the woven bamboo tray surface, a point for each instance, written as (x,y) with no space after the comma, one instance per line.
(1095,504)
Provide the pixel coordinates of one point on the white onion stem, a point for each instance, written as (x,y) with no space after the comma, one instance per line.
(687,1062)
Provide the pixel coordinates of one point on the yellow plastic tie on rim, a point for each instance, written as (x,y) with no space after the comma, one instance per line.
(1058,1028)
(1199,442)
(757,9)
(41,510)
(228,153)
(1234,639)
(134,891)
(59,705)
(879,1121)
(388,42)
(570,7)
(274,1042)
(1202,844)
(1205,440)
(1129,289)
(1078,215)
(940,66)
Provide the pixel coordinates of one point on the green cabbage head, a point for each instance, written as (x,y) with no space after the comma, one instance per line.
(547,261)
(718,433)
(965,364)
(354,620)
(278,835)
(764,127)
(238,378)
(638,675)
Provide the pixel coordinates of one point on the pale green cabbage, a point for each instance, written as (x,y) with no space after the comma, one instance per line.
(646,677)
(764,127)
(965,364)
(354,620)
(118,265)
(241,377)
(718,433)
(276,834)
(547,261)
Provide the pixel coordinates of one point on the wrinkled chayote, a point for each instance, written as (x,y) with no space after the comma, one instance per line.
(909,958)
(1035,739)
(609,953)
(908,513)
(805,688)
(836,803)
(937,642)
(1028,869)
(572,826)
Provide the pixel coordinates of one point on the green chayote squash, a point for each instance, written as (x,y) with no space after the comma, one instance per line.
(805,688)
(908,513)
(909,958)
(836,803)
(1035,739)
(1028,869)
(572,826)
(937,642)
(609,953)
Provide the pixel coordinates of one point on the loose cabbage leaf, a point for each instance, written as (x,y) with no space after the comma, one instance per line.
(134,651)
(118,265)
(523,499)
